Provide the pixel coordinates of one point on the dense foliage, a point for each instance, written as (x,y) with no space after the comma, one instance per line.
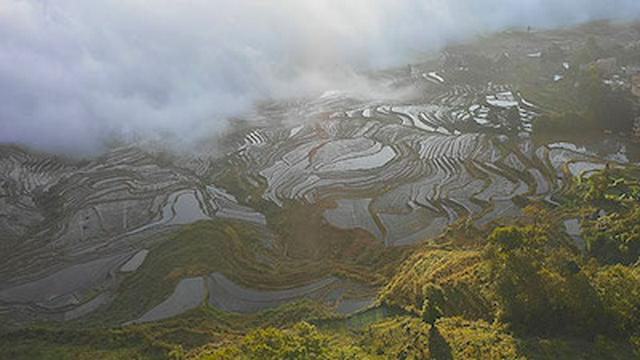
(303,341)
(612,230)
(595,106)
(541,288)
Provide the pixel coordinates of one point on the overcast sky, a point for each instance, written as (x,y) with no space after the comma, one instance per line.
(75,72)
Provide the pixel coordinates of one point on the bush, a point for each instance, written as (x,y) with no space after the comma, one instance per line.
(303,341)
(615,238)
(618,287)
(539,287)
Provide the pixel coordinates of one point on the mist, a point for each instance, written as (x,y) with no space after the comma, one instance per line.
(75,73)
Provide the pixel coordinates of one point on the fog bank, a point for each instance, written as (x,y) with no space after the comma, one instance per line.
(74,73)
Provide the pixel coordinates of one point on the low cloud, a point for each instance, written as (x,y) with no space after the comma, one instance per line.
(75,73)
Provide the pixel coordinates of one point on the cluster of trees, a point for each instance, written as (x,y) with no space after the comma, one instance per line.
(539,284)
(542,287)
(303,341)
(605,107)
(539,288)
(615,238)
(598,107)
(612,188)
(613,231)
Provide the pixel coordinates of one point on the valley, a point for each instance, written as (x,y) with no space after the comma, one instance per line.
(317,209)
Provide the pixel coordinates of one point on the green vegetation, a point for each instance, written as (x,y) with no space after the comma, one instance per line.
(615,238)
(609,203)
(585,97)
(540,288)
(233,248)
(192,330)
(582,99)
(460,276)
(514,290)
(303,341)
(196,250)
(524,292)
(521,291)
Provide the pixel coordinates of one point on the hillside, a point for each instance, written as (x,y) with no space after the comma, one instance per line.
(491,212)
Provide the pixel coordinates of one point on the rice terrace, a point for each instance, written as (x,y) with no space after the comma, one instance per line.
(478,201)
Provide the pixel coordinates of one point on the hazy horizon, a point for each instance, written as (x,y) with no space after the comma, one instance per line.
(74,73)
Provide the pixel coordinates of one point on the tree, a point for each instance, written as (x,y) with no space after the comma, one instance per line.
(597,186)
(432,304)
(539,285)
(615,238)
(619,290)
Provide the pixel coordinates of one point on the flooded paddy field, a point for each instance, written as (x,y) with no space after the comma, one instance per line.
(384,173)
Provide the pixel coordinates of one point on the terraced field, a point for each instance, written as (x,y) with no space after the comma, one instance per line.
(393,172)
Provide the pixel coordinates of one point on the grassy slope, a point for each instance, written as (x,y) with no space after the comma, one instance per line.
(457,266)
(460,273)
(201,327)
(196,250)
